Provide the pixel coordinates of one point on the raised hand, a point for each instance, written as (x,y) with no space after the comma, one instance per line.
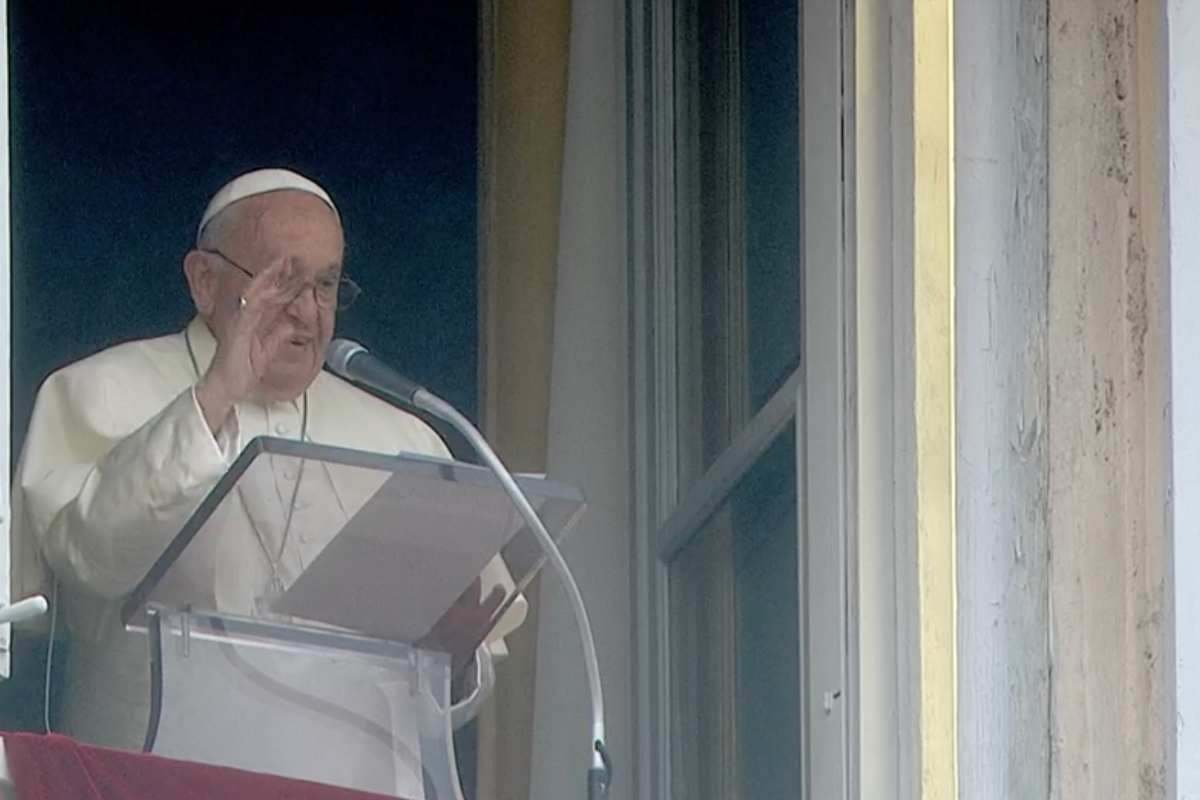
(246,350)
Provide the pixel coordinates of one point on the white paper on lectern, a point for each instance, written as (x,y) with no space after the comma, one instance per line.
(404,558)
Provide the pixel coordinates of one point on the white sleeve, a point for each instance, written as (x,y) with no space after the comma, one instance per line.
(101,502)
(227,439)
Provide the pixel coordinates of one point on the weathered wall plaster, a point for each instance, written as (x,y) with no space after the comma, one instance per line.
(1107,406)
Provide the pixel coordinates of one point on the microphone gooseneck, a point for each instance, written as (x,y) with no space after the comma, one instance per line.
(352,361)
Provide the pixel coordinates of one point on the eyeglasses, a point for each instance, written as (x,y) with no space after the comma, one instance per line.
(328,291)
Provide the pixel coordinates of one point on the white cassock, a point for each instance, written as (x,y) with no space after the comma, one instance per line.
(118,456)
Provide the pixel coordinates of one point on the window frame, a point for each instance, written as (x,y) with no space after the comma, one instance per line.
(5,355)
(818,395)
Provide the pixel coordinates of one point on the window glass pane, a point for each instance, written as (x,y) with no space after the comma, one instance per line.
(771,149)
(735,642)
(738,215)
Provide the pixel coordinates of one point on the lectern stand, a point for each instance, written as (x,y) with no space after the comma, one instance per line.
(313,665)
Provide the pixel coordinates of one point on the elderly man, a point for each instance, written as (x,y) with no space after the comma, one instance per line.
(123,445)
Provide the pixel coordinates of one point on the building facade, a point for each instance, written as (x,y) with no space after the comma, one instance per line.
(866,327)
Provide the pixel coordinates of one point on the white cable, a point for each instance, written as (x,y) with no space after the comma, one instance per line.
(50,655)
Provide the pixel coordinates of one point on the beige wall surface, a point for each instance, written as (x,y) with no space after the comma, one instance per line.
(1110,696)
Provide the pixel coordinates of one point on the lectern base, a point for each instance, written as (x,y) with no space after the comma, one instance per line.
(305,703)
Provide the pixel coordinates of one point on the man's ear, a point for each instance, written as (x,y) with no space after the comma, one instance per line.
(202,281)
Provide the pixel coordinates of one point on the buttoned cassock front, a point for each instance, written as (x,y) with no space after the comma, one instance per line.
(118,455)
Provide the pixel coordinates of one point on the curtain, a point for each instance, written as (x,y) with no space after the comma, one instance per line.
(556,370)
(588,435)
(523,77)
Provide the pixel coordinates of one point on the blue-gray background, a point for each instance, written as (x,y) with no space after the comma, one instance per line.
(124,123)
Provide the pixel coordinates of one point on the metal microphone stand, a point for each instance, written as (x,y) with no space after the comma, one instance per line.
(599,774)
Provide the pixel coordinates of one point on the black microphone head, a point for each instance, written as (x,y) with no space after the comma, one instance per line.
(339,353)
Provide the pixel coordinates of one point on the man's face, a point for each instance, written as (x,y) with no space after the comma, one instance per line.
(295,226)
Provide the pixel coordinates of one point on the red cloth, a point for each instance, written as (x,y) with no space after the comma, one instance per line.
(58,768)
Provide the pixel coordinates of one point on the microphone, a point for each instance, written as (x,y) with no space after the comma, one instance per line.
(352,361)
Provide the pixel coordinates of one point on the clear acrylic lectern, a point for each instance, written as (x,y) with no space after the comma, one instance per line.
(289,622)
